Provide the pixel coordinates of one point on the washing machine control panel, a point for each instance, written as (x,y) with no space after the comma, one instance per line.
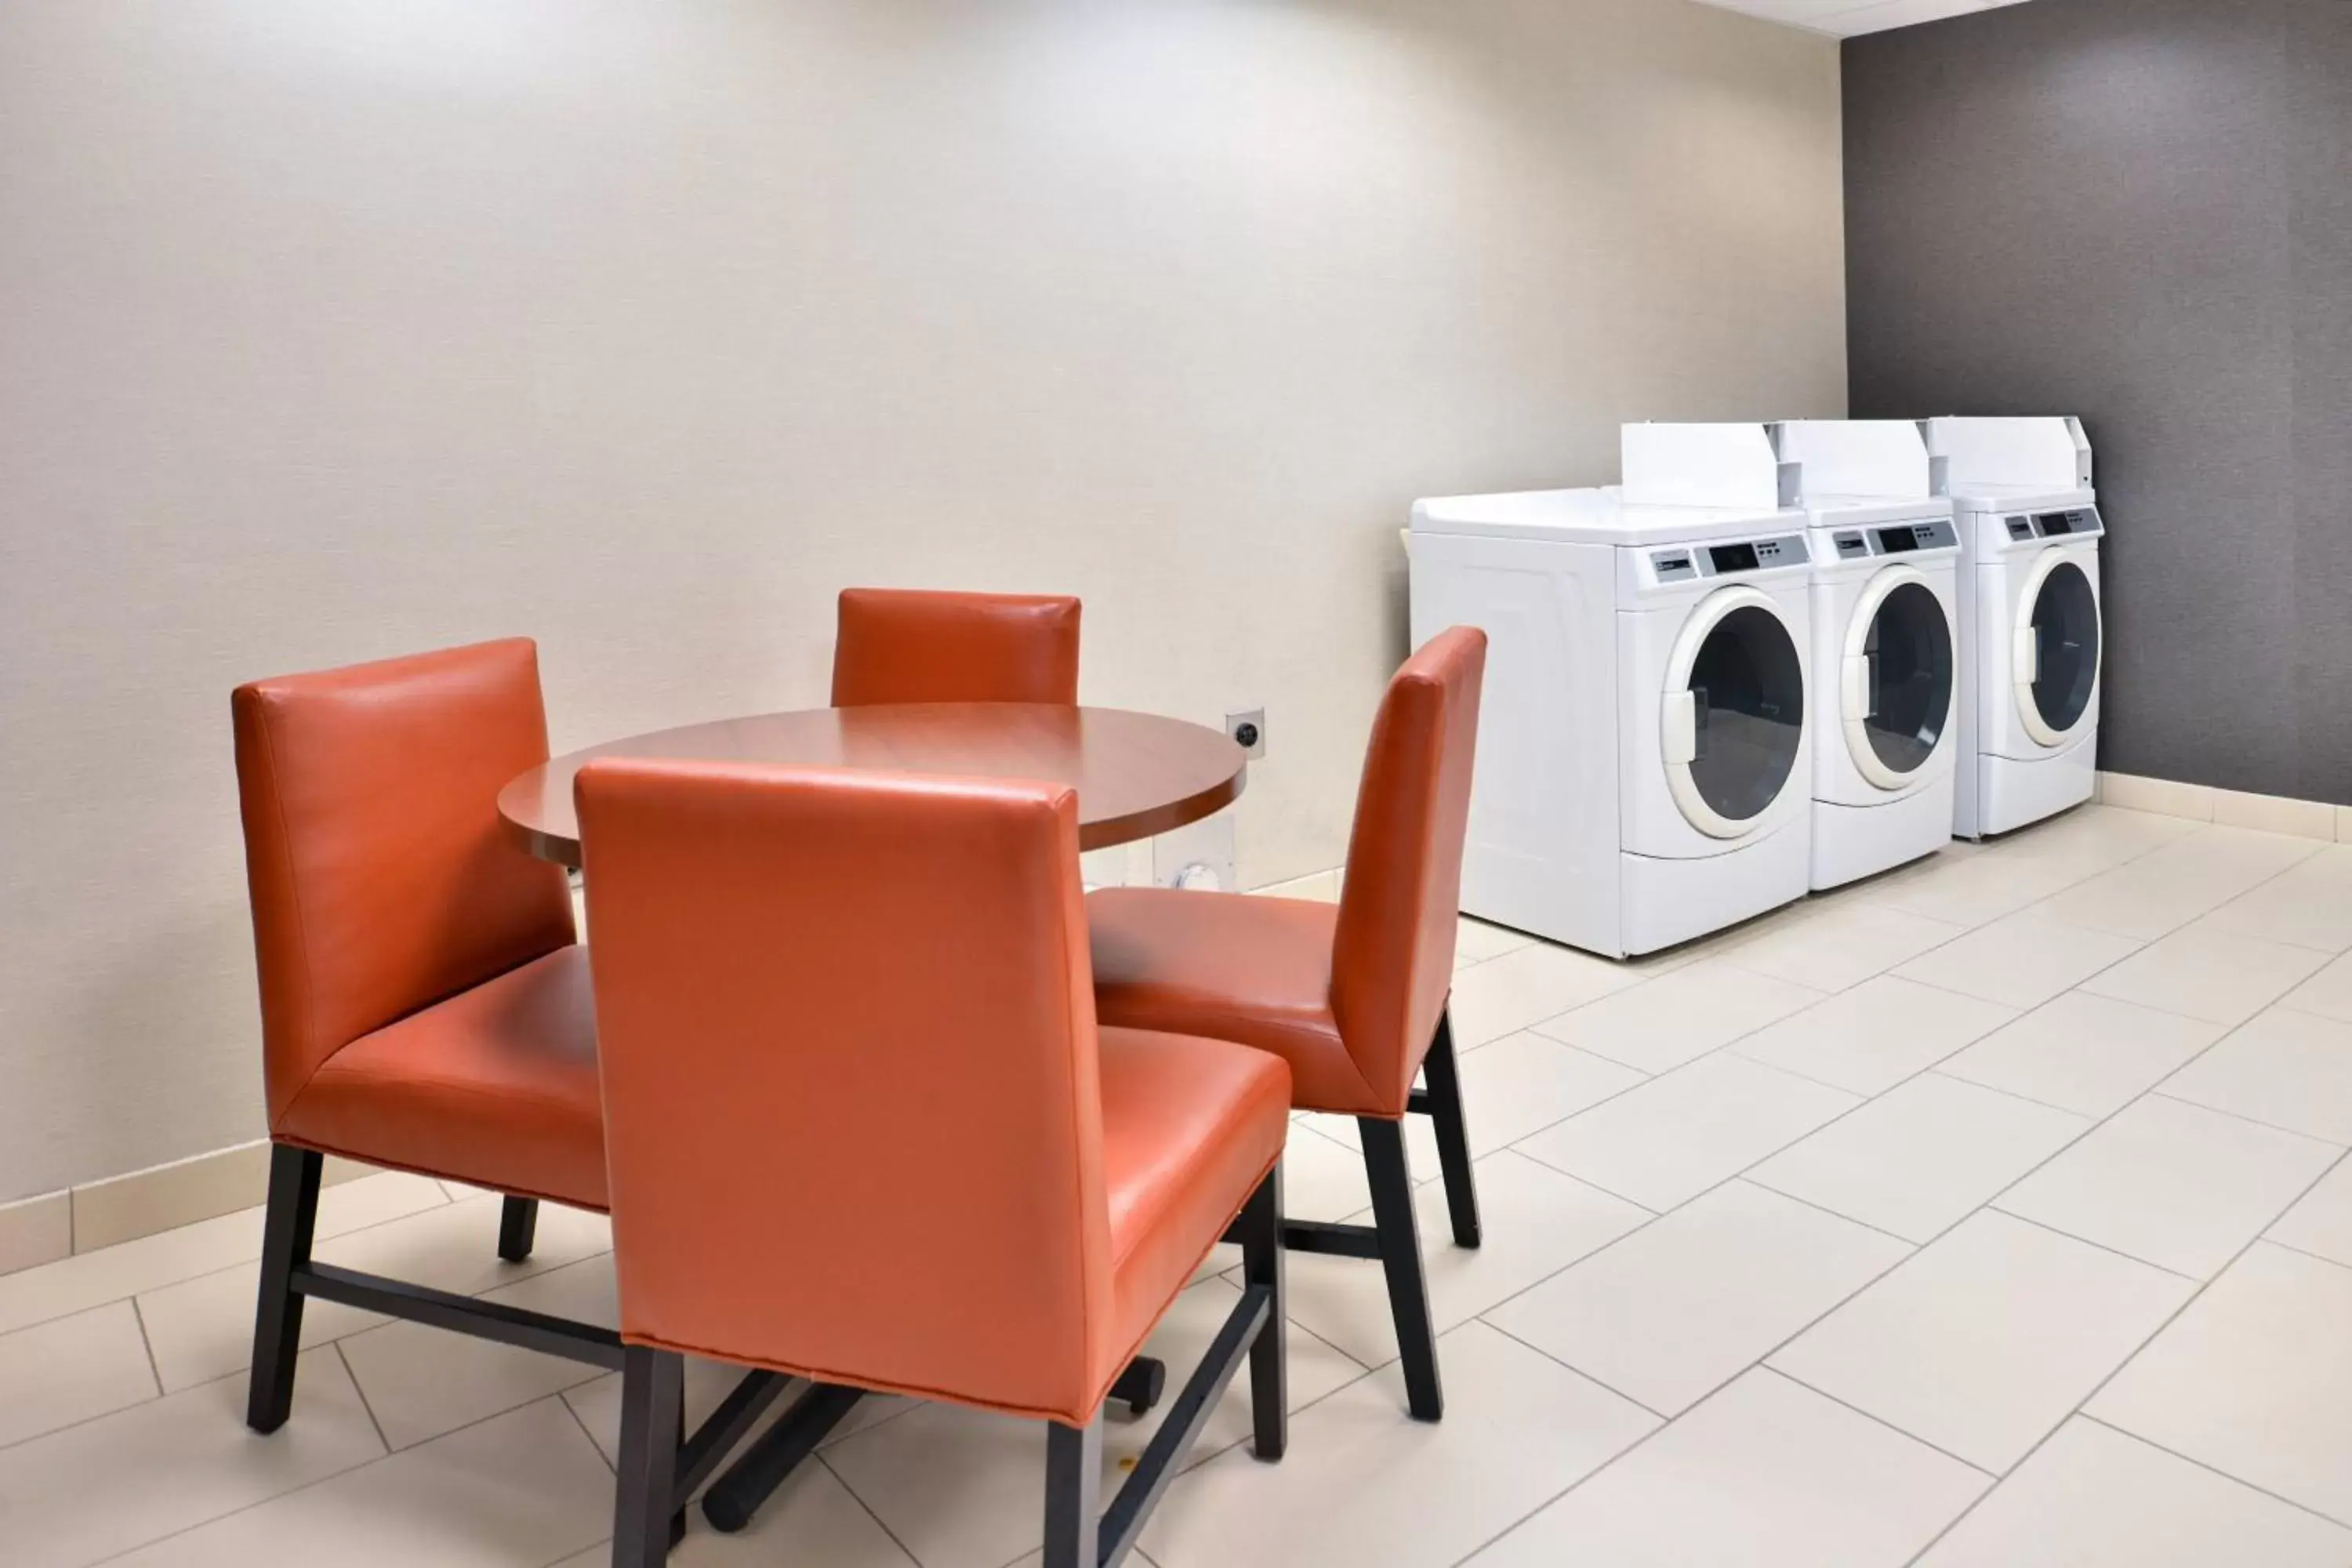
(1894,539)
(1726,557)
(2054,524)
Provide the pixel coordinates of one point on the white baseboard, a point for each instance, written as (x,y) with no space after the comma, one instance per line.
(2229,807)
(58,1224)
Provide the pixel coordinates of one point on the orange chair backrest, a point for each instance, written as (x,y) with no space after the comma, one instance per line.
(380,879)
(852,1100)
(1392,959)
(895,645)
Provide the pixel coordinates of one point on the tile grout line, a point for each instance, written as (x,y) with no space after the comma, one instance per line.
(147,1343)
(320,1480)
(825,1463)
(2156,1091)
(1665,1419)
(1993,1207)
(2305,1251)
(1990,1475)
(1912,1250)
(2092,1125)
(2173,931)
(2211,1471)
(337,1346)
(208,1272)
(571,1409)
(1823,1209)
(2078,1409)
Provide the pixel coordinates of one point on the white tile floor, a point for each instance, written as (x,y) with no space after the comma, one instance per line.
(1992,1213)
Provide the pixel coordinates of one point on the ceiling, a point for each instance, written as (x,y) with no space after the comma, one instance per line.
(1849,19)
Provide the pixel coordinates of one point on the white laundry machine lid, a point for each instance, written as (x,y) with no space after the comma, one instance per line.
(1592,517)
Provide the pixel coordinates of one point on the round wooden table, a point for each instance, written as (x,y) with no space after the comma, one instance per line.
(1137,774)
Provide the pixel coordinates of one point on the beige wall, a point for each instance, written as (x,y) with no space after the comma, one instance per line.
(331,329)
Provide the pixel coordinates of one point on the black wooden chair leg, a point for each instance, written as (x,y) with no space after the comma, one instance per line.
(518,1228)
(653,1395)
(1073,1494)
(1452,1130)
(1262,1255)
(1399,1242)
(277,1314)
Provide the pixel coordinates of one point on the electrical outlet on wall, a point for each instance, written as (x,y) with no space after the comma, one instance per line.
(1248,731)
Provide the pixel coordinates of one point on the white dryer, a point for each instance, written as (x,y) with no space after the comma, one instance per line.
(1644,737)
(2029,531)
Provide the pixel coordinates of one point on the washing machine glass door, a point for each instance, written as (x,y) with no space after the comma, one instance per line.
(1735,711)
(2054,660)
(1895,677)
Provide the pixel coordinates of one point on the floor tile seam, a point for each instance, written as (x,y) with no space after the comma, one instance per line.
(1513,1146)
(292,1491)
(2081,1406)
(1859,1103)
(571,1409)
(1537,1027)
(1566,1365)
(2060,1230)
(1959,932)
(207,1273)
(1910,1250)
(147,1343)
(1759,1181)
(1548,1503)
(2304,1251)
(369,1405)
(2156,1091)
(2139,947)
(1934,1069)
(818,1455)
(2176,928)
(1655,1216)
(64,1426)
(1876,1420)
(1977,1208)
(1651,1074)
(1917,1072)
(2213,1470)
(2194,1296)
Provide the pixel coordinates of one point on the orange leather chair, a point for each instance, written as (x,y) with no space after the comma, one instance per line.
(1353,996)
(862,1128)
(895,645)
(423,1004)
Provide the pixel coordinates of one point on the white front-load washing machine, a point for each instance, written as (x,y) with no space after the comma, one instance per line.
(1643,738)
(1885,601)
(2029,531)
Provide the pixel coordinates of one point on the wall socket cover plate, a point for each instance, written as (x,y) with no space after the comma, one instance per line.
(1248,731)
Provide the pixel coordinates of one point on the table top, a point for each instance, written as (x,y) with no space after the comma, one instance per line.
(1137,774)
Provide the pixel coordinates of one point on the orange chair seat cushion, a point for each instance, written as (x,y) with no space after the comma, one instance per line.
(1190,1128)
(1253,970)
(496,1086)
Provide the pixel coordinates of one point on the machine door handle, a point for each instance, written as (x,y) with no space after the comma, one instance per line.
(1858,689)
(1678,728)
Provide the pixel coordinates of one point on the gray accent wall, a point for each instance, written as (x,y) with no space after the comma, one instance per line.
(2140,211)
